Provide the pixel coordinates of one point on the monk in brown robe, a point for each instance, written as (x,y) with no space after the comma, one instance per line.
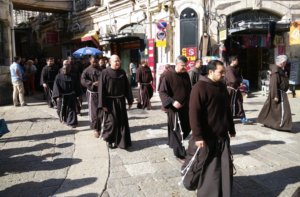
(276,112)
(144,79)
(211,121)
(113,88)
(48,75)
(233,81)
(167,68)
(89,79)
(75,71)
(174,93)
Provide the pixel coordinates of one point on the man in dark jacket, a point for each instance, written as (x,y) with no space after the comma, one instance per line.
(211,121)
(195,72)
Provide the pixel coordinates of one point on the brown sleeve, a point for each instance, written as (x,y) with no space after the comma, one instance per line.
(86,82)
(195,114)
(274,81)
(165,93)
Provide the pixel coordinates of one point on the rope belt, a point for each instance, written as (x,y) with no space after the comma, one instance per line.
(90,106)
(62,102)
(282,107)
(50,92)
(234,98)
(102,125)
(115,96)
(175,123)
(141,91)
(187,168)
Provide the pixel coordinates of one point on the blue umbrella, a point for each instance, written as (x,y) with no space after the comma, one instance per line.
(87,51)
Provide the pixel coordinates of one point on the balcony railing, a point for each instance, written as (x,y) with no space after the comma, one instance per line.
(84,4)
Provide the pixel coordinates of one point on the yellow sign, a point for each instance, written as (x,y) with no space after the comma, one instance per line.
(295,33)
(161,43)
(223,35)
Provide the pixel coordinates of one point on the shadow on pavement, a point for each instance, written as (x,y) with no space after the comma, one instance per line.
(268,184)
(145,127)
(38,136)
(32,120)
(250,146)
(47,188)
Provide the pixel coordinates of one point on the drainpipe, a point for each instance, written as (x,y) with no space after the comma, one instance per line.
(149,28)
(12,30)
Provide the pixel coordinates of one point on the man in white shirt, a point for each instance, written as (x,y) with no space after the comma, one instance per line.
(132,69)
(16,78)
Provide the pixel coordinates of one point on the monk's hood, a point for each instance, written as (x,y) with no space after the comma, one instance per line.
(208,80)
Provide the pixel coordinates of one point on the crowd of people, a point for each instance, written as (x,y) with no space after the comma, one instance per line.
(203,102)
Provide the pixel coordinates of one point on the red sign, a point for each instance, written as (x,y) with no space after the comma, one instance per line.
(151,59)
(161,25)
(191,54)
(51,37)
(133,45)
(114,49)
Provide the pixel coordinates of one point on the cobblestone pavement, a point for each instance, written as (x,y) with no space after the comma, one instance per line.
(267,161)
(41,157)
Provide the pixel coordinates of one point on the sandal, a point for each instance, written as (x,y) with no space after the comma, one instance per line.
(96,134)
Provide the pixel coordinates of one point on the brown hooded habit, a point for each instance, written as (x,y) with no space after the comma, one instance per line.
(277,115)
(144,77)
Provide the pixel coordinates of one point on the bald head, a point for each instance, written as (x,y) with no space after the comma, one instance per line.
(115,62)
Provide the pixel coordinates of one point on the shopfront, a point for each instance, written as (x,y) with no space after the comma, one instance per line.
(257,38)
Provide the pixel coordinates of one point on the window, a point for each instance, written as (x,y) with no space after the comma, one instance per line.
(2,58)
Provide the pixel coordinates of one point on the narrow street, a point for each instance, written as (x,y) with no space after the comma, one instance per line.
(42,157)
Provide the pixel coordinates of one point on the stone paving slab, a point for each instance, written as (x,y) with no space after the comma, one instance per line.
(266,161)
(42,157)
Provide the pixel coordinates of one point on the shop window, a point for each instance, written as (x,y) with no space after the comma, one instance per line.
(2,58)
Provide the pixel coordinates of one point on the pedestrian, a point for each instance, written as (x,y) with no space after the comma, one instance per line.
(167,68)
(48,75)
(65,92)
(83,65)
(31,70)
(107,63)
(101,63)
(16,73)
(132,70)
(174,93)
(233,79)
(75,71)
(276,112)
(211,121)
(144,80)
(58,63)
(90,79)
(113,88)
(195,72)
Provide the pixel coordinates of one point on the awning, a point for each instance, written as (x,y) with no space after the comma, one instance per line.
(124,37)
(87,36)
(258,28)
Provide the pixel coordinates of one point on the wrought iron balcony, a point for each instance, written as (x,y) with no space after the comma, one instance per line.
(84,4)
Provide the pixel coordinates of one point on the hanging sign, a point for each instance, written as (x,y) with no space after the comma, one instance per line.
(51,37)
(223,34)
(161,35)
(191,54)
(161,25)
(151,59)
(295,33)
(161,43)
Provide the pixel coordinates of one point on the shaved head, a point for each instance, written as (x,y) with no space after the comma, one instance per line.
(115,62)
